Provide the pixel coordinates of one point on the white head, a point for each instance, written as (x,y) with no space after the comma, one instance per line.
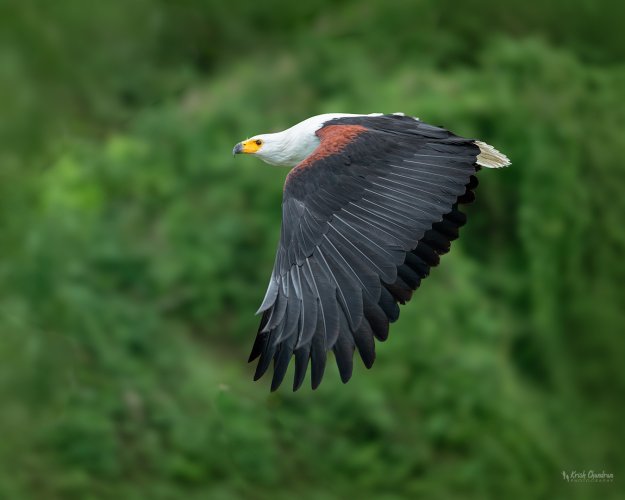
(282,148)
(289,147)
(286,148)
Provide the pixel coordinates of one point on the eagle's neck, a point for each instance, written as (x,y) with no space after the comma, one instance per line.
(295,144)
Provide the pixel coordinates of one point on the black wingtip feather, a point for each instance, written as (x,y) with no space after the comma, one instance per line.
(377,319)
(417,264)
(437,241)
(302,355)
(264,320)
(281,364)
(427,253)
(409,276)
(447,228)
(317,360)
(344,355)
(467,197)
(363,337)
(265,358)
(456,216)
(388,305)
(258,346)
(400,291)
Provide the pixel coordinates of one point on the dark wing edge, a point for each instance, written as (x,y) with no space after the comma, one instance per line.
(362,227)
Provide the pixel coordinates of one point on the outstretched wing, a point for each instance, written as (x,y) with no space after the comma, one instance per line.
(364,217)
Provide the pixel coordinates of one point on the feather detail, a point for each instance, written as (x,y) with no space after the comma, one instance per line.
(489,157)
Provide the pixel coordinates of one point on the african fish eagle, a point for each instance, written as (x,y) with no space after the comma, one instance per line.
(370,204)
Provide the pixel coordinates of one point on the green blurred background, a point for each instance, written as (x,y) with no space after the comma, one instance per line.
(134,251)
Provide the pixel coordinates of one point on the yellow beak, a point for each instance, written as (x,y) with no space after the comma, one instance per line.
(247,147)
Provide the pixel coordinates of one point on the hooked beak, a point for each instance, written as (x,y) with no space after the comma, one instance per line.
(250,146)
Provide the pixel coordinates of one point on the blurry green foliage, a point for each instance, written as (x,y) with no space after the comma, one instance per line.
(134,251)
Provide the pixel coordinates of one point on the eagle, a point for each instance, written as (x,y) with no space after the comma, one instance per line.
(370,204)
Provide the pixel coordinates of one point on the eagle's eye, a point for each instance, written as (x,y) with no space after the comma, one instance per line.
(258,142)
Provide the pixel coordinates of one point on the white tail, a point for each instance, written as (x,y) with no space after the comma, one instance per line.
(489,157)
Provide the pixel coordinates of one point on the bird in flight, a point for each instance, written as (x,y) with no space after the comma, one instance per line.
(369,205)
